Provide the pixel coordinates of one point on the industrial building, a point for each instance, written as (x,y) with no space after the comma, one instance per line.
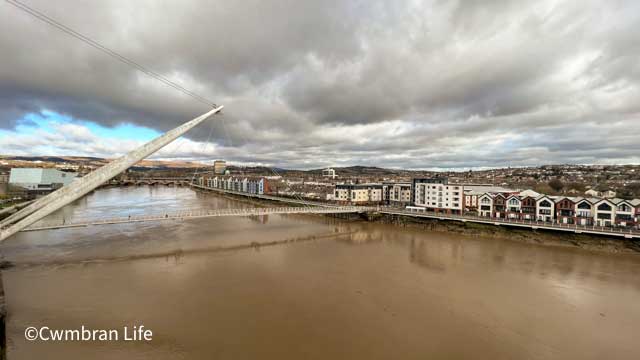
(40,179)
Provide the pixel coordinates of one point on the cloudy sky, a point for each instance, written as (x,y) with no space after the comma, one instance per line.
(306,84)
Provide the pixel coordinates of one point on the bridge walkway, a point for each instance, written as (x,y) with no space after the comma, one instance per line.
(199,213)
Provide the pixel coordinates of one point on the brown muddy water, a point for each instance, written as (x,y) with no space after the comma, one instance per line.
(318,288)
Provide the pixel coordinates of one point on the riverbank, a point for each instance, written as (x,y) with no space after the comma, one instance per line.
(543,237)
(539,237)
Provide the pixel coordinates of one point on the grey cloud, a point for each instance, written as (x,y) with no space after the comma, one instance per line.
(307,83)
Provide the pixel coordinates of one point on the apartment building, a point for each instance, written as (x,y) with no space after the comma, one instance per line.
(252,185)
(358,193)
(399,193)
(436,194)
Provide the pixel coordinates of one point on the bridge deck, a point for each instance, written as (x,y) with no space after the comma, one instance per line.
(195,214)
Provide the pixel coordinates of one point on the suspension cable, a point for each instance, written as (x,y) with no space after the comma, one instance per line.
(87,40)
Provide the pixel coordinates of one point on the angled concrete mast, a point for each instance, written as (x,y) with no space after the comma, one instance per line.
(69,193)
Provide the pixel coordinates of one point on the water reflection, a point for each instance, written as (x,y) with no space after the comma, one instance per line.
(299,286)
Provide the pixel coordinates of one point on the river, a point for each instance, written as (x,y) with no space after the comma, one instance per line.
(318,288)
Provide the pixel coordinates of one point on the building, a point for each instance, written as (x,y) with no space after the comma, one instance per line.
(436,194)
(528,208)
(636,205)
(603,194)
(40,179)
(514,207)
(625,213)
(566,210)
(472,193)
(545,208)
(399,193)
(485,202)
(251,185)
(499,205)
(358,193)
(329,172)
(219,167)
(604,213)
(584,211)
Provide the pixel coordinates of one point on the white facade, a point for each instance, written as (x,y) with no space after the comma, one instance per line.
(248,185)
(584,211)
(624,212)
(329,172)
(604,213)
(485,205)
(40,179)
(545,208)
(448,197)
(513,207)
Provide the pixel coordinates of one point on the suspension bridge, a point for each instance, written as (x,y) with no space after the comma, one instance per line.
(28,218)
(199,214)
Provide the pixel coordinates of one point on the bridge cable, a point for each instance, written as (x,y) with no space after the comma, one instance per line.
(208,142)
(87,40)
(272,169)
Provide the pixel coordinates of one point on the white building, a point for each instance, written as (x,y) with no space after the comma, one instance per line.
(40,179)
(604,214)
(514,206)
(485,207)
(250,185)
(437,194)
(545,208)
(329,172)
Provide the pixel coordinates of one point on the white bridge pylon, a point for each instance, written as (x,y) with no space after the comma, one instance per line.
(71,192)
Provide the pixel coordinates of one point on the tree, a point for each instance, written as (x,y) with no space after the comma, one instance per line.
(556,184)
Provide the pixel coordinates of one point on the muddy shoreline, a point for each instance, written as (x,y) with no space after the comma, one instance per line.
(538,237)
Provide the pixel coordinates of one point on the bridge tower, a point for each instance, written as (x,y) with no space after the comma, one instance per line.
(69,193)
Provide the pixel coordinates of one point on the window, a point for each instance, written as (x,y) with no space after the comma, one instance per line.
(545,203)
(513,201)
(624,208)
(485,200)
(604,207)
(584,205)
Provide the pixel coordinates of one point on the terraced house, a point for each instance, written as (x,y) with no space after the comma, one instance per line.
(436,194)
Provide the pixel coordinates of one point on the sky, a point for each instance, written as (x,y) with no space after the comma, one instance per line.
(308,84)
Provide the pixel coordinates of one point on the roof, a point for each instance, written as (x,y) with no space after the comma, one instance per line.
(529,192)
(485,189)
